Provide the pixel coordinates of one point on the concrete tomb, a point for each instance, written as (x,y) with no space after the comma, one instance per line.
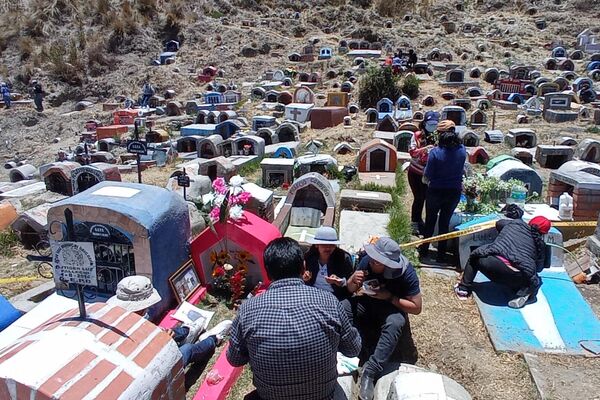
(277,171)
(521,137)
(494,136)
(86,176)
(320,163)
(209,147)
(249,146)
(557,108)
(217,167)
(57,177)
(309,204)
(478,119)
(588,150)
(509,169)
(522,154)
(287,132)
(553,156)
(584,187)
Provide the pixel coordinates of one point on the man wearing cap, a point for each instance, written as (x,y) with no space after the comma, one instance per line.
(327,266)
(390,291)
(513,259)
(136,294)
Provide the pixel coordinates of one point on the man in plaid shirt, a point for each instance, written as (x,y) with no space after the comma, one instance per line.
(290,334)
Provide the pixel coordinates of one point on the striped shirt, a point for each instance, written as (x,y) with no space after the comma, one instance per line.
(290,336)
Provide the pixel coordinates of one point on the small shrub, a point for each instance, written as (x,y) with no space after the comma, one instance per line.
(249,168)
(376,84)
(8,243)
(216,14)
(25,48)
(391,8)
(410,86)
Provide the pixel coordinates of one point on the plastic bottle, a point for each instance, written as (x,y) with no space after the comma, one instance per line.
(518,195)
(565,206)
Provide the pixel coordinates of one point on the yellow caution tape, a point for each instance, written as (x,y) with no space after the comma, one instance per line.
(4,281)
(487,225)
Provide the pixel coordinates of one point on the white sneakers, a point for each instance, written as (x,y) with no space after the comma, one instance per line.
(221,330)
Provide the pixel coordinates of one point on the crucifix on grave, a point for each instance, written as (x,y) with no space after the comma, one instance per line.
(137,147)
(295,113)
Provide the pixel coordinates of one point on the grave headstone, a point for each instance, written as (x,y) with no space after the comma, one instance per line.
(553,156)
(277,171)
(521,137)
(494,136)
(509,169)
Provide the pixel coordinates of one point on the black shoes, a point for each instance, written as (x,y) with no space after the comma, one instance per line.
(367,387)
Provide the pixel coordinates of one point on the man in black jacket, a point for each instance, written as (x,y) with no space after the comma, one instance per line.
(513,259)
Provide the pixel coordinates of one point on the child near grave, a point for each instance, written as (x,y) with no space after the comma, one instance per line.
(420,144)
(5,92)
(444,172)
(327,266)
(136,294)
(513,259)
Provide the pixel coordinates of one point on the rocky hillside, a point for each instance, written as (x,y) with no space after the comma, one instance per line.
(97,50)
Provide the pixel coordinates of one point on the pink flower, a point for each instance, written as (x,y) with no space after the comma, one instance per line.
(244,197)
(219,186)
(214,214)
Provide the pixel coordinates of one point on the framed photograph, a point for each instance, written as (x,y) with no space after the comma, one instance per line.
(184,281)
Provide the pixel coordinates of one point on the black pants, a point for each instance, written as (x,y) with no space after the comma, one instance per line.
(496,271)
(419,191)
(440,202)
(369,313)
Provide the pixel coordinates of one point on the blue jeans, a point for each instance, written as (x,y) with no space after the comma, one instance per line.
(145,100)
(198,352)
(7,101)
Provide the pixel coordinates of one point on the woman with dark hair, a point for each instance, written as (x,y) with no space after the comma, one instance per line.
(444,171)
(513,259)
(327,266)
(421,143)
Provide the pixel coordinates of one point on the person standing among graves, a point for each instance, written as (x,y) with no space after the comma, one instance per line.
(513,259)
(412,58)
(327,266)
(5,92)
(391,292)
(444,172)
(147,93)
(136,294)
(38,96)
(420,144)
(290,335)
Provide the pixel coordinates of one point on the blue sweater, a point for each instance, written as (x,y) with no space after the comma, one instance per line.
(445,167)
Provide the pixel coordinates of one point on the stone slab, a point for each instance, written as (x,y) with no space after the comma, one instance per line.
(559,116)
(24,191)
(546,326)
(579,179)
(361,200)
(378,178)
(553,379)
(353,232)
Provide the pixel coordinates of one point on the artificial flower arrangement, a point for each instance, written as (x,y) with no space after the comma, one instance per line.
(484,193)
(229,274)
(226,200)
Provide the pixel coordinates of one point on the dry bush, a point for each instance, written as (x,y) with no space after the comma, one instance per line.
(25,47)
(65,63)
(392,8)
(96,58)
(147,8)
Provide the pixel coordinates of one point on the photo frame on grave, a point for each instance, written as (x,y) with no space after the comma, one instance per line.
(184,281)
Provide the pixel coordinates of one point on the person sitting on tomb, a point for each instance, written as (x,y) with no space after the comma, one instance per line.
(443,172)
(421,143)
(290,334)
(136,294)
(327,266)
(5,92)
(385,299)
(147,93)
(513,259)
